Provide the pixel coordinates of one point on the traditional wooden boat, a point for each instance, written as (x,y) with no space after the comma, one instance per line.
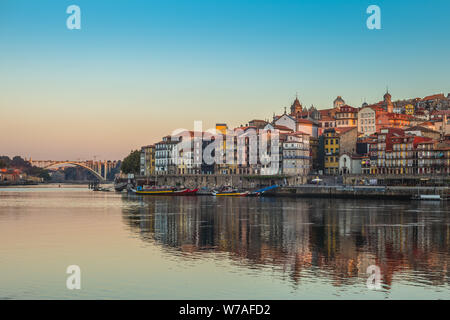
(120,186)
(229,192)
(261,192)
(164,191)
(153,190)
(204,192)
(185,192)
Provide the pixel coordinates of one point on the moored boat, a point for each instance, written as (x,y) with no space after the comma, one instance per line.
(261,192)
(204,192)
(164,191)
(185,192)
(229,192)
(427,197)
(153,190)
(120,186)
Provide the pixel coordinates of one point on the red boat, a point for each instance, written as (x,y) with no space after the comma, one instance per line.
(185,192)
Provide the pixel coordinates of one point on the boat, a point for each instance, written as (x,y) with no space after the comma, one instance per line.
(153,190)
(101,189)
(317,180)
(204,192)
(427,197)
(229,192)
(185,192)
(120,186)
(164,191)
(260,192)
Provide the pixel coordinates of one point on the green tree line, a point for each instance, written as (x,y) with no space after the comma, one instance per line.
(131,163)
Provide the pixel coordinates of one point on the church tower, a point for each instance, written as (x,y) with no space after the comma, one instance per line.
(387,103)
(296,108)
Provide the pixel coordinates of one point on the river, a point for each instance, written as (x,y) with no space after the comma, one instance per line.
(132,247)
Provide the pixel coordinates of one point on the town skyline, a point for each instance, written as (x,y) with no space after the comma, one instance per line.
(233,123)
(136,70)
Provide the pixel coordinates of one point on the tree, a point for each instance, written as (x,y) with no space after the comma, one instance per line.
(132,163)
(5,161)
(18,162)
(39,172)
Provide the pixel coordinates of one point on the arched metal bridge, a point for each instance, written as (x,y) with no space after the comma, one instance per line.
(78,164)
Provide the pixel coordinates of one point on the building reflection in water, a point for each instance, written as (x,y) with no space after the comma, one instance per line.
(333,239)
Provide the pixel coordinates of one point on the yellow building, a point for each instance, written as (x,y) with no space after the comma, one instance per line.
(331,150)
(409,109)
(148,160)
(225,168)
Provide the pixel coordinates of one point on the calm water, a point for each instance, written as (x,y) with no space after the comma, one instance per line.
(219,248)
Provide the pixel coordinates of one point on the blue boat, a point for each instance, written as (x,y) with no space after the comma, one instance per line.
(260,192)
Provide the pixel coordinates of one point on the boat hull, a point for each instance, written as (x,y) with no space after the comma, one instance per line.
(230,194)
(184,192)
(153,192)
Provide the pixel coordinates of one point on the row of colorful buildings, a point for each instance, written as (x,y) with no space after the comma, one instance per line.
(402,137)
(13,175)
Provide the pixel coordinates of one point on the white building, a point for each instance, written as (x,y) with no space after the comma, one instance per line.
(349,164)
(165,163)
(296,154)
(367,121)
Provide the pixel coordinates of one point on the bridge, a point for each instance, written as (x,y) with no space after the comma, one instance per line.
(99,168)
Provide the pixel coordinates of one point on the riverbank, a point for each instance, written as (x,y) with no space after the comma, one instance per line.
(349,187)
(50,184)
(361,192)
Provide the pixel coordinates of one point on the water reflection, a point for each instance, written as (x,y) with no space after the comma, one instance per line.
(334,240)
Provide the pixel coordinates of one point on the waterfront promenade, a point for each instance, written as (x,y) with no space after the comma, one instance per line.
(388,187)
(362,192)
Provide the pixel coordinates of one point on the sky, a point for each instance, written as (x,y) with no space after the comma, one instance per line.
(137,70)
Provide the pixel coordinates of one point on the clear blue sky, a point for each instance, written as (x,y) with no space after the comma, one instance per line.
(153,66)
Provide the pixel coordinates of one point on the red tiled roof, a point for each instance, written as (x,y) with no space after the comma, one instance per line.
(305,121)
(245,128)
(440,112)
(342,130)
(300,133)
(282,128)
(327,118)
(325,111)
(433,97)
(351,109)
(420,128)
